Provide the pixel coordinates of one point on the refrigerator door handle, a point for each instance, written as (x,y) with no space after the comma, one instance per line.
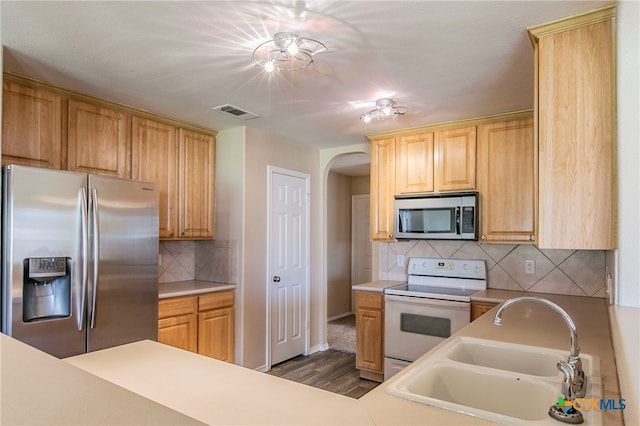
(96,253)
(85,257)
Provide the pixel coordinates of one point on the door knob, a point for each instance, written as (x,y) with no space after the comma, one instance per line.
(275,279)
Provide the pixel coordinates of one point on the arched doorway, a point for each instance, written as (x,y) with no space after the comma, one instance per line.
(348,247)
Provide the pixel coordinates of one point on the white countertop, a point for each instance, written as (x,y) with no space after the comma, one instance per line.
(190,288)
(524,323)
(174,381)
(376,286)
(215,392)
(39,389)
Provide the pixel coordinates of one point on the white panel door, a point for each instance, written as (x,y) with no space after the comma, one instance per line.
(288,266)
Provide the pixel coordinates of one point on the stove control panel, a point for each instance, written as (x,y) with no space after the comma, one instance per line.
(453,268)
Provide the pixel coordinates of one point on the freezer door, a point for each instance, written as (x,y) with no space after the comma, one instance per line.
(123,266)
(42,259)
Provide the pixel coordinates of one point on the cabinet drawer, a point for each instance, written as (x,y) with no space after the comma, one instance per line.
(177,306)
(221,299)
(369,300)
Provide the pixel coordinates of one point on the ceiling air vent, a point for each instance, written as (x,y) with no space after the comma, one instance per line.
(235,111)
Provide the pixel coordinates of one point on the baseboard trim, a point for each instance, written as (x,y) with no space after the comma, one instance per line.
(335,317)
(318,348)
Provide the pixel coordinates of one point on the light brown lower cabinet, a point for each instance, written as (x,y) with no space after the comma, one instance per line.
(370,335)
(202,324)
(480,308)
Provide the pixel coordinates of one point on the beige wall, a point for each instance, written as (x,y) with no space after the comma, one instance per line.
(263,150)
(242,158)
(339,190)
(338,245)
(360,185)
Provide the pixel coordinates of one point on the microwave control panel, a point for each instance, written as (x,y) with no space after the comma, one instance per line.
(467,225)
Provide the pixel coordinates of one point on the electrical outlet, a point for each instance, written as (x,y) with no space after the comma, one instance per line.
(400,260)
(529,266)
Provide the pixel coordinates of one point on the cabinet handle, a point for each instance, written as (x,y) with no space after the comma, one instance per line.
(484,237)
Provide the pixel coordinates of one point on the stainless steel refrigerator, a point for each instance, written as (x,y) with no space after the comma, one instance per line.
(79,260)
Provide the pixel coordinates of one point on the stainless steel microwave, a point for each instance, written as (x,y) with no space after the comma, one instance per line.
(448,216)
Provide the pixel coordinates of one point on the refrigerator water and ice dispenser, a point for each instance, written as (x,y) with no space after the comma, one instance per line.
(46,288)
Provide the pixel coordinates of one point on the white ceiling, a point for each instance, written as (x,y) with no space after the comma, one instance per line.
(444,60)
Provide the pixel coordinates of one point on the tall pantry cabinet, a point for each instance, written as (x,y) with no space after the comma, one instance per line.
(575,129)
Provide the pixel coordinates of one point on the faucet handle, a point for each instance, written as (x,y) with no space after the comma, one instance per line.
(567,383)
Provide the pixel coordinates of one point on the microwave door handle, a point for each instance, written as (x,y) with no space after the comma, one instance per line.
(458,220)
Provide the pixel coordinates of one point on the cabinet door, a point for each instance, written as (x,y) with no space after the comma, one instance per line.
(369,350)
(414,163)
(507,181)
(196,185)
(383,160)
(154,157)
(179,331)
(177,322)
(455,159)
(98,140)
(31,126)
(480,308)
(369,332)
(215,334)
(576,137)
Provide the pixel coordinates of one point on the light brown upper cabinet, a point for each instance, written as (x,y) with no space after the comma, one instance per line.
(98,140)
(440,162)
(575,116)
(414,163)
(154,153)
(196,158)
(421,162)
(181,162)
(455,159)
(507,181)
(382,181)
(31,126)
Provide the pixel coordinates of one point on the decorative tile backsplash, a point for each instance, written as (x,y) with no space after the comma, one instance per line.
(177,261)
(211,260)
(574,272)
(217,261)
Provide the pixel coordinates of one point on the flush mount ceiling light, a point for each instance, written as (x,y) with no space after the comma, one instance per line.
(385,108)
(287,52)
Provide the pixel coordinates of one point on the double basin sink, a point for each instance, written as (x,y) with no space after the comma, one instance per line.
(502,382)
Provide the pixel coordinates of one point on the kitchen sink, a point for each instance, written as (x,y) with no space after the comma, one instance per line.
(470,392)
(497,381)
(531,360)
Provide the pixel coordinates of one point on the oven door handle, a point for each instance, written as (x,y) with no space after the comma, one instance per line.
(427,301)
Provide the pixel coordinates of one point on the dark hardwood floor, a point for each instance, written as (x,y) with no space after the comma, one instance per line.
(329,370)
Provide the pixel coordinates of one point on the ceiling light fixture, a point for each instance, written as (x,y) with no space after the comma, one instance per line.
(287,52)
(385,108)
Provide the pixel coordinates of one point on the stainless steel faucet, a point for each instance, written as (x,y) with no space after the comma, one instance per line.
(575,385)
